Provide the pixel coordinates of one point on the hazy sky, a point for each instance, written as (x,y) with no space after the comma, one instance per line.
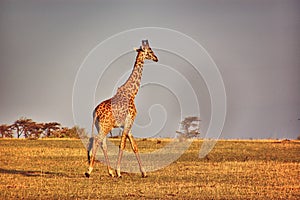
(254,43)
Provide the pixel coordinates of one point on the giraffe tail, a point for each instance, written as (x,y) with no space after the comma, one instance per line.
(93,125)
(91,140)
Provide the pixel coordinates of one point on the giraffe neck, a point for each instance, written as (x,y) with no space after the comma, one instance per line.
(132,85)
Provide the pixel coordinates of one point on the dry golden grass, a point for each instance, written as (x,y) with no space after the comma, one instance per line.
(54,169)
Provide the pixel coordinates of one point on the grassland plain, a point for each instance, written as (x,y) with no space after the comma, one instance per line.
(54,169)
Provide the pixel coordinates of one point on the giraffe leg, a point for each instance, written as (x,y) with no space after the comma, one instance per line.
(121,148)
(89,148)
(104,149)
(92,158)
(136,152)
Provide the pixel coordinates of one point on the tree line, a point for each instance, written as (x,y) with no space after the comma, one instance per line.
(27,128)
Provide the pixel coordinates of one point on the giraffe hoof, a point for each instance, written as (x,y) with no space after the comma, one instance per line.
(87,175)
(111,173)
(144,175)
(118,172)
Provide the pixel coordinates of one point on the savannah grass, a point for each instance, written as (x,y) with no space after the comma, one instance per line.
(234,169)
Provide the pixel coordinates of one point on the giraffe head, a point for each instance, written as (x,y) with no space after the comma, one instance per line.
(148,53)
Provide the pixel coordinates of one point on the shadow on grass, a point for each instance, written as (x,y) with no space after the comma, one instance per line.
(33,173)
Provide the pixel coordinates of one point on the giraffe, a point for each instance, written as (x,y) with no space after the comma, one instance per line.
(119,111)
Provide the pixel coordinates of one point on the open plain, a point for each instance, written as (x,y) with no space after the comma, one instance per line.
(234,169)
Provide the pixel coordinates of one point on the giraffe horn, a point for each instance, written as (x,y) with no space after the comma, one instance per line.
(145,43)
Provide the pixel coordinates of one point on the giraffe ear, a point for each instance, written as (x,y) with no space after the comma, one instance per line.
(138,49)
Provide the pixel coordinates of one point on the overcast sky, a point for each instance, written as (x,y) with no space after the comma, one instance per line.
(254,43)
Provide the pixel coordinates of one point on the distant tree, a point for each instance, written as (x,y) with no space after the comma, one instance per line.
(70,133)
(50,128)
(29,129)
(35,130)
(6,131)
(189,128)
(74,132)
(59,133)
(22,126)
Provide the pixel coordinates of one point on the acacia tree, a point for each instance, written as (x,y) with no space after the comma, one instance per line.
(74,132)
(30,129)
(22,126)
(50,128)
(35,130)
(6,131)
(60,133)
(189,127)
